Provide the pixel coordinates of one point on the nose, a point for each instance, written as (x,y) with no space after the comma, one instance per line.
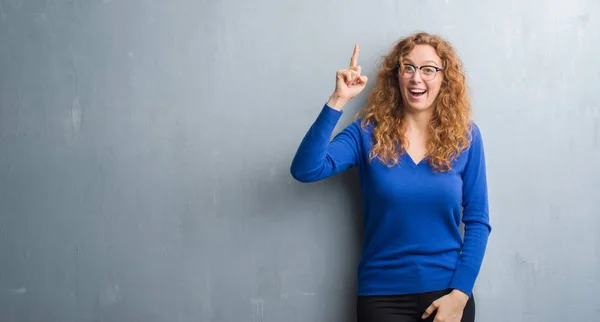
(416,76)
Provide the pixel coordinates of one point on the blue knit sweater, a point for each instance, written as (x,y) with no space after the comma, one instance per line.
(412,242)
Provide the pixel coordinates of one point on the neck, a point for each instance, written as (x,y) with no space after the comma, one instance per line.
(418,122)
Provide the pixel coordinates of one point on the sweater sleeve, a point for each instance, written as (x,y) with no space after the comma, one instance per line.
(318,156)
(475,216)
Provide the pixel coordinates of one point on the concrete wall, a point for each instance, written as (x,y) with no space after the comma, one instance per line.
(145,150)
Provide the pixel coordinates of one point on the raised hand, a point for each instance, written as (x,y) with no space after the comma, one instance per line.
(349,83)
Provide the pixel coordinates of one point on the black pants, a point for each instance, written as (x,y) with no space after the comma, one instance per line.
(404,308)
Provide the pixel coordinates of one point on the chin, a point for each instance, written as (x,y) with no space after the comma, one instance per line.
(419,107)
(421,104)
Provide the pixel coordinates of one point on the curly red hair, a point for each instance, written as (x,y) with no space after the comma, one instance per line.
(449,127)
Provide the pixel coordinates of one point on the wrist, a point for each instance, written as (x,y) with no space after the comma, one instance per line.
(336,102)
(458,294)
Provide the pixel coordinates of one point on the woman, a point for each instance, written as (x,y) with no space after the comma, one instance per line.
(421,164)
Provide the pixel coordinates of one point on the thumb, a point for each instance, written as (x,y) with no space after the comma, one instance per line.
(362,80)
(430,310)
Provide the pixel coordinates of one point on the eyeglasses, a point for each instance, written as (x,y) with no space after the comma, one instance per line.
(427,72)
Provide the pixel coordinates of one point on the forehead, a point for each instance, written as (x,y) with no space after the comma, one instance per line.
(423,54)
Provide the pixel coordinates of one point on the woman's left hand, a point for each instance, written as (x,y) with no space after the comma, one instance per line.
(449,307)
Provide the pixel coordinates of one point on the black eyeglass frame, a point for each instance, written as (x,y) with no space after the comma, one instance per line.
(437,69)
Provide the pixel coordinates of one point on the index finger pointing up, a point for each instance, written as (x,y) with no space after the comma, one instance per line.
(354,59)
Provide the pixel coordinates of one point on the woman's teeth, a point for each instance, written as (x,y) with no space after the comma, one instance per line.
(417,92)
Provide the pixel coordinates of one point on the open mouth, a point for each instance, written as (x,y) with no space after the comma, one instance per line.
(417,92)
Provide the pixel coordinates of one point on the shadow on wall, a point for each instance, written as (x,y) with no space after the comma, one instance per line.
(348,182)
(329,214)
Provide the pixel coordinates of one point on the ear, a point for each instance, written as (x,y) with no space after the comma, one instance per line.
(445,82)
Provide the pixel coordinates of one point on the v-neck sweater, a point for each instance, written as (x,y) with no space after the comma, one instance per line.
(411,213)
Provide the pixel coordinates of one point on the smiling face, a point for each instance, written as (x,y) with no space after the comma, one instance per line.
(421,78)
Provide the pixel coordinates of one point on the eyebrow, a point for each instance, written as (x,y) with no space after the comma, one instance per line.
(428,61)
